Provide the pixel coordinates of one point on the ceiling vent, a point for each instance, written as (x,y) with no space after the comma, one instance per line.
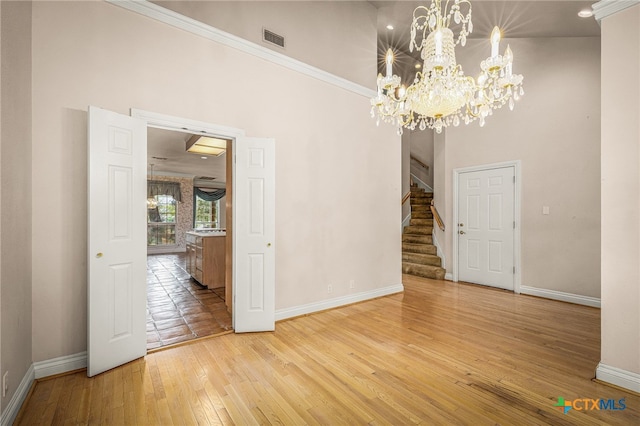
(207,182)
(273,38)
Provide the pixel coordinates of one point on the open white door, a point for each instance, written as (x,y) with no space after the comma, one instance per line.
(117,240)
(254,234)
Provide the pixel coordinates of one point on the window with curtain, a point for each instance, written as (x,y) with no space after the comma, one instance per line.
(162,215)
(206,207)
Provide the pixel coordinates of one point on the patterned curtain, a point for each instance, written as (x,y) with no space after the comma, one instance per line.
(157,187)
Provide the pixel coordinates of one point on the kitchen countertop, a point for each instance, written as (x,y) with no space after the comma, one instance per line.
(208,233)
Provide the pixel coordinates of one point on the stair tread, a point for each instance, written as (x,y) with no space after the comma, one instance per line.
(417,245)
(428,271)
(425,259)
(418,230)
(421,265)
(427,255)
(417,238)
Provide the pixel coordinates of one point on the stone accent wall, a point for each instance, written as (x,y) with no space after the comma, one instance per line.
(185,208)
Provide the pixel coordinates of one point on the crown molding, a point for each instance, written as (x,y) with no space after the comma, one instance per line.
(198,28)
(606,8)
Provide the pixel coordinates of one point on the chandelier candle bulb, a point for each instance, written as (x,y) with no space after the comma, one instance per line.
(438,39)
(508,58)
(495,41)
(389,62)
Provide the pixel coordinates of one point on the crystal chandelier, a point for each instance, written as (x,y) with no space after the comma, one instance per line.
(441,95)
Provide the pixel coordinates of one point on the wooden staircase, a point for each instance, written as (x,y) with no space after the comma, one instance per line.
(418,252)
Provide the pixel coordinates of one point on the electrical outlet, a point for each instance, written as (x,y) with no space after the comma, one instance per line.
(329,288)
(5,384)
(352,284)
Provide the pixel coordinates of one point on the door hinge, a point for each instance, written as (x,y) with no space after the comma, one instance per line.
(514,269)
(514,179)
(514,224)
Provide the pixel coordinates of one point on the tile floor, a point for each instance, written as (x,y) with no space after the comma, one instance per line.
(178,308)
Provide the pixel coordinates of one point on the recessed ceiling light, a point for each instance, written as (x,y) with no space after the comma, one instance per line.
(204,158)
(585,13)
(389,27)
(418,66)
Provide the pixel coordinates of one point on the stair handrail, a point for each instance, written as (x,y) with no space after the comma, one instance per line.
(412,157)
(406,197)
(436,216)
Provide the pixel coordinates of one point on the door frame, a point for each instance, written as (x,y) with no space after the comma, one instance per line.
(517,165)
(179,124)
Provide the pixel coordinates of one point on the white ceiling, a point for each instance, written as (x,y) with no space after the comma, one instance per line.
(516,19)
(166,150)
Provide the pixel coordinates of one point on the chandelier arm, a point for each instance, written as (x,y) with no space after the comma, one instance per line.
(504,94)
(471,113)
(420,23)
(446,16)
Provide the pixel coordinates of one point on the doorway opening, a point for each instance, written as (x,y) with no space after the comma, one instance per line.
(186,233)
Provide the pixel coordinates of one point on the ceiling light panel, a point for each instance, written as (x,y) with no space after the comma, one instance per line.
(205,145)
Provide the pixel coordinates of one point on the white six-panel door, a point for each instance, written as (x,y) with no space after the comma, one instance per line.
(254,235)
(486,227)
(117,240)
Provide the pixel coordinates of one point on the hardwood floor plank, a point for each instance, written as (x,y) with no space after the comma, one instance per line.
(439,353)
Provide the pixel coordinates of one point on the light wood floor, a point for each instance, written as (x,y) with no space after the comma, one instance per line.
(440,353)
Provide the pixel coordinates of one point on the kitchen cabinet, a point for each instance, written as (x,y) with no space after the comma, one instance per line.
(206,257)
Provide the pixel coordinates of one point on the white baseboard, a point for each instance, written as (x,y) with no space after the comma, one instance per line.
(616,376)
(310,308)
(562,296)
(60,365)
(448,276)
(406,221)
(11,410)
(38,370)
(439,251)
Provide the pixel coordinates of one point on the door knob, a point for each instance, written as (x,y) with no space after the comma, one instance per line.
(268,244)
(461,224)
(462,232)
(99,255)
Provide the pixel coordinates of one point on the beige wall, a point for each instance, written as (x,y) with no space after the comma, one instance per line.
(15,187)
(333,36)
(555,131)
(326,232)
(621,190)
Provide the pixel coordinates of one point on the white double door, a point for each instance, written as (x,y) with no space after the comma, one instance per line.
(485,228)
(117,246)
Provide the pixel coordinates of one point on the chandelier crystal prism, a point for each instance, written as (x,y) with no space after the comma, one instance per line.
(441,95)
